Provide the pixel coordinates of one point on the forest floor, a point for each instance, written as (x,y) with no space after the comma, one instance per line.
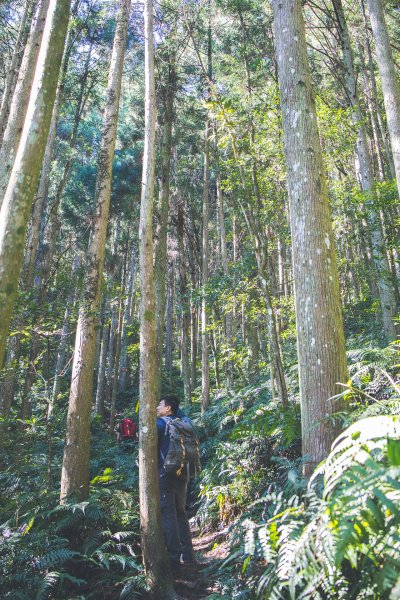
(200,582)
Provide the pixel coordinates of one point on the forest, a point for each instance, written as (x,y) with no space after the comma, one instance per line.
(200,199)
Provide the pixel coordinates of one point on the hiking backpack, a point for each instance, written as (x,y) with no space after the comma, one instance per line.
(127,429)
(183,453)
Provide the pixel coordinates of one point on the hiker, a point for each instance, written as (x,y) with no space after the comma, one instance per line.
(127,430)
(173,490)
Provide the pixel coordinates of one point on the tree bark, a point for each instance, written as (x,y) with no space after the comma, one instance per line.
(26,170)
(224,262)
(321,346)
(41,194)
(75,468)
(100,390)
(154,553)
(389,79)
(64,339)
(386,293)
(185,322)
(205,358)
(21,97)
(123,363)
(169,328)
(160,259)
(12,76)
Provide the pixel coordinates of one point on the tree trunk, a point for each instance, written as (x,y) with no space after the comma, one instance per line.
(185,311)
(26,170)
(169,316)
(160,259)
(123,363)
(386,294)
(75,468)
(321,346)
(115,378)
(64,339)
(154,553)
(21,97)
(12,75)
(101,375)
(41,194)
(389,79)
(7,387)
(205,359)
(224,261)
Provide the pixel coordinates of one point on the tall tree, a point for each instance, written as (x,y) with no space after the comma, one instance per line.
(385,287)
(26,170)
(154,553)
(160,259)
(20,100)
(75,468)
(320,335)
(389,78)
(205,358)
(12,76)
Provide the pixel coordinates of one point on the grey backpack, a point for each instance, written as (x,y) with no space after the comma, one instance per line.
(183,454)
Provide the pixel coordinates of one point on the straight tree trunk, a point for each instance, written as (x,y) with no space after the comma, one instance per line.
(123,363)
(75,468)
(321,346)
(26,170)
(224,261)
(386,293)
(205,359)
(21,97)
(185,311)
(374,97)
(169,328)
(7,387)
(389,79)
(154,553)
(116,372)
(111,353)
(100,391)
(160,259)
(62,351)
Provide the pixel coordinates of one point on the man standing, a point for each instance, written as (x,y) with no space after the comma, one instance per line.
(173,490)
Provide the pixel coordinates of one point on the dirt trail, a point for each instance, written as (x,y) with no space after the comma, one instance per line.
(200,582)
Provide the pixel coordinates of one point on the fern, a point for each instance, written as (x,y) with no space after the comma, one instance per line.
(348,540)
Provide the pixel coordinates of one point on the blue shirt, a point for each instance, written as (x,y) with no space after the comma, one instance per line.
(163,439)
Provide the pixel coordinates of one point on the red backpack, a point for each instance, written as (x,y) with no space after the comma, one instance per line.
(127,429)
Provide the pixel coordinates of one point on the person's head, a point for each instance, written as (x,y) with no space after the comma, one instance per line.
(168,406)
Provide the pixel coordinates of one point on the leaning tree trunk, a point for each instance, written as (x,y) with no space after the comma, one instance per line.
(75,468)
(26,170)
(389,78)
(321,346)
(33,236)
(21,97)
(13,70)
(386,293)
(154,553)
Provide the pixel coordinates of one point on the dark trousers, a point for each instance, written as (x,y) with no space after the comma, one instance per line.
(175,524)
